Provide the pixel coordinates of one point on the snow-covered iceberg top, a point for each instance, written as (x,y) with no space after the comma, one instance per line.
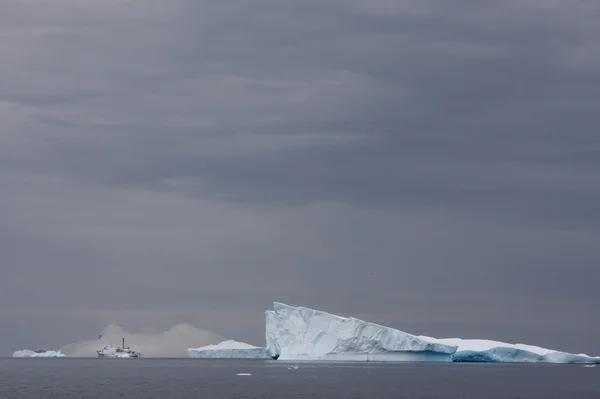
(303,333)
(229,349)
(40,353)
(296,333)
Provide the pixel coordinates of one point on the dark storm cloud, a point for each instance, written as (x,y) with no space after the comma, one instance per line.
(393,159)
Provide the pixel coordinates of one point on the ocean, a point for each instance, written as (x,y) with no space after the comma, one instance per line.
(210,378)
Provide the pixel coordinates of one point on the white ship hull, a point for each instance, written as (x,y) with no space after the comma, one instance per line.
(118,352)
(123,355)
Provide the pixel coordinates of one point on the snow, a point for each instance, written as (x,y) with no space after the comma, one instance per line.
(229,349)
(30,353)
(298,333)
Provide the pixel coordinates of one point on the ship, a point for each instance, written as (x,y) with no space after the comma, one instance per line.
(118,351)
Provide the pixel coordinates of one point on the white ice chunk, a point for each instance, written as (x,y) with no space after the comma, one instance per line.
(41,353)
(229,349)
(482,350)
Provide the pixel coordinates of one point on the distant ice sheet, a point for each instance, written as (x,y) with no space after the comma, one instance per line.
(230,350)
(482,350)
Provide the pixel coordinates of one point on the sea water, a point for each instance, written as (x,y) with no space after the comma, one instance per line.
(210,378)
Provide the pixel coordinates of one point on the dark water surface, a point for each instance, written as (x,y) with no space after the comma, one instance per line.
(194,378)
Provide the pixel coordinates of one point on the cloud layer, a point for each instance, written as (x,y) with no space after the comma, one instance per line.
(431,167)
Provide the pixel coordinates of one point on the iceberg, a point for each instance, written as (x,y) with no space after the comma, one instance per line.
(481,350)
(37,353)
(229,350)
(299,333)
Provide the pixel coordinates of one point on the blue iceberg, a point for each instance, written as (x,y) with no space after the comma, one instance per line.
(488,351)
(298,333)
(37,353)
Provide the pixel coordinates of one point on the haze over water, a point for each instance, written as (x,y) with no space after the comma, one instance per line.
(186,378)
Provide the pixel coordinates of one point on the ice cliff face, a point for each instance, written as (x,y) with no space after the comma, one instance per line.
(43,353)
(230,350)
(303,333)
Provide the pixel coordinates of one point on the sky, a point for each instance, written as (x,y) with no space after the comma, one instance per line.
(431,166)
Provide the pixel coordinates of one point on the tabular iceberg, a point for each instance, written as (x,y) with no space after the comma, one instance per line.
(229,350)
(481,350)
(38,353)
(297,333)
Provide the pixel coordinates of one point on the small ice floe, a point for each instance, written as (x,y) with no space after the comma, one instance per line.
(294,367)
(243,374)
(590,365)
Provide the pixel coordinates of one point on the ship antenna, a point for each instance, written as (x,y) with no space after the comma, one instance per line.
(123,342)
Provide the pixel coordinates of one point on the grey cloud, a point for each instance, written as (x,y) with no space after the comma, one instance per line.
(373,157)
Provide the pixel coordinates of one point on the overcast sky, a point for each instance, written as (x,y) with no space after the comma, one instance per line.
(433,166)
